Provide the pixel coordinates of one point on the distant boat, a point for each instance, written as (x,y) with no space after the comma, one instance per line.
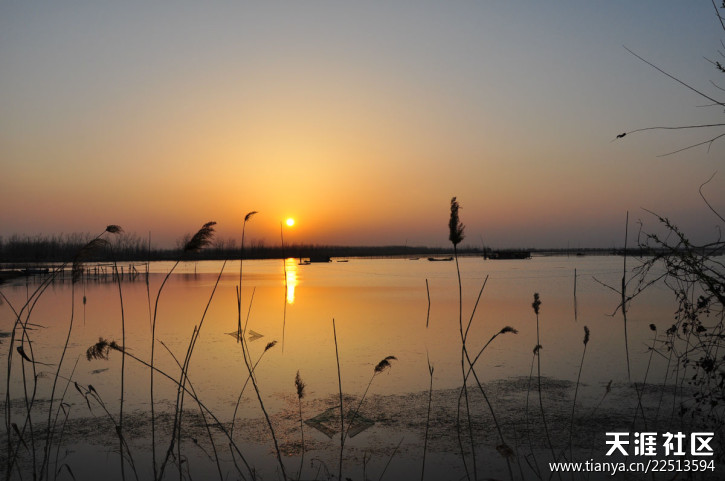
(440,259)
(507,255)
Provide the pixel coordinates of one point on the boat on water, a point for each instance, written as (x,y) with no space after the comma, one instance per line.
(315,259)
(440,259)
(507,255)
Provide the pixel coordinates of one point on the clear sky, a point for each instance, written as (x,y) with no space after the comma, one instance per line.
(359,119)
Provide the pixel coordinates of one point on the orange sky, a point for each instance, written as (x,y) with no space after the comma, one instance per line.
(359,121)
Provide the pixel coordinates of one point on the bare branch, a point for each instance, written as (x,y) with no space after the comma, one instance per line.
(694,145)
(675,78)
(703,196)
(719,17)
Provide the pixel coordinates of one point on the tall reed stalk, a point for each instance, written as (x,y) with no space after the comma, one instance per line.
(576,391)
(427,417)
(455,230)
(342,415)
(85,251)
(201,239)
(300,387)
(623,293)
(241,264)
(380,367)
(537,351)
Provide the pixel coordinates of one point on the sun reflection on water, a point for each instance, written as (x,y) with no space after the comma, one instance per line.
(291,272)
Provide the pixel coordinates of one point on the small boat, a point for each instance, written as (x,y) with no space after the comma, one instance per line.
(507,255)
(440,259)
(342,260)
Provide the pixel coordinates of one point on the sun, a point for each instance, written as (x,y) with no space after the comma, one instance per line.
(290,221)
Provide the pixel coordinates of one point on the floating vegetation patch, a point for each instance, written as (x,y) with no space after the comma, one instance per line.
(328,422)
(253,335)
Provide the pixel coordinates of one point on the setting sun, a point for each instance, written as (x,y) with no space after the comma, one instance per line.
(290,221)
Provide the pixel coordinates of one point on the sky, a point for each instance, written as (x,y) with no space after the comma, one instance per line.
(359,119)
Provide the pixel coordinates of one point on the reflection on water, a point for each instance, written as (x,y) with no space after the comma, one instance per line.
(380,309)
(291,273)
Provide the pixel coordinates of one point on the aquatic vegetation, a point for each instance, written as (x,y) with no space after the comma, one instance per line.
(183,429)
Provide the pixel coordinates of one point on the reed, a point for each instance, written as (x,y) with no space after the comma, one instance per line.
(379,368)
(576,390)
(246,382)
(342,415)
(640,390)
(536,305)
(241,264)
(201,239)
(300,388)
(427,316)
(427,418)
(103,348)
(96,243)
(266,414)
(455,235)
(27,435)
(623,293)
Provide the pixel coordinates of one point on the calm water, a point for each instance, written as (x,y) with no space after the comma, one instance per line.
(380,308)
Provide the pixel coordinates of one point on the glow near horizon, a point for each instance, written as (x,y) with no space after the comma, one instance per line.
(364,119)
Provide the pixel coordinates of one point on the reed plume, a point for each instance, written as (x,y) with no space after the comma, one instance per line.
(201,239)
(384,364)
(300,385)
(101,349)
(455,226)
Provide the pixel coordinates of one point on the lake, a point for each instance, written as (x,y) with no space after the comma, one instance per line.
(404,308)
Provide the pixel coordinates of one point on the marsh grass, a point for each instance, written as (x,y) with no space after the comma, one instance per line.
(32,440)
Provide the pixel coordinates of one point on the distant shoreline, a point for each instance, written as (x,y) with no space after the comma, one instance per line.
(37,257)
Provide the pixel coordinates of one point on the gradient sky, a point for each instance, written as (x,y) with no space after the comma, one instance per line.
(359,119)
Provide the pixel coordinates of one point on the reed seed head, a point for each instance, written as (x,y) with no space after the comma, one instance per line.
(586,335)
(270,346)
(114,229)
(652,327)
(537,303)
(249,215)
(384,364)
(202,238)
(85,253)
(508,329)
(101,349)
(537,349)
(300,385)
(455,227)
